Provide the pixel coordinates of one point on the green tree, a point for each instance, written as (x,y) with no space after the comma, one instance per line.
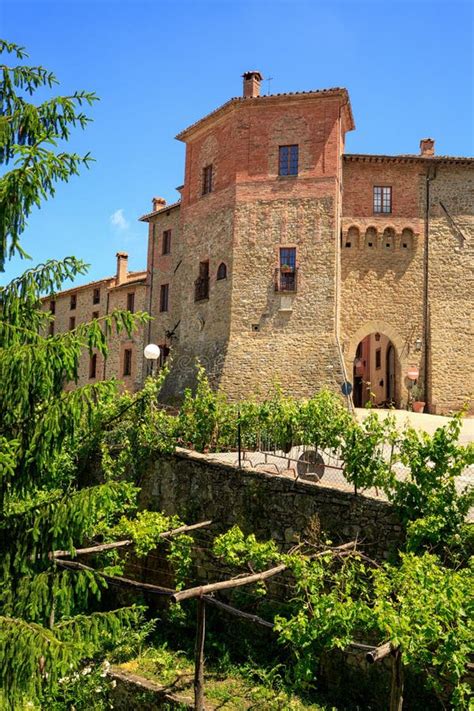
(47,624)
(29,136)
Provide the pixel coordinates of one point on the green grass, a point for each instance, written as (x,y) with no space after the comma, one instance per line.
(230,688)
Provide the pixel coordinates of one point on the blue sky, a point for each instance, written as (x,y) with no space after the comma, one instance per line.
(159,66)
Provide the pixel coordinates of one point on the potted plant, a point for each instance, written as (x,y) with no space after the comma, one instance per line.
(417,404)
(286,268)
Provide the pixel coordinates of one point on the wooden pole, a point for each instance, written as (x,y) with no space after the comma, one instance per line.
(199,656)
(396,691)
(378,653)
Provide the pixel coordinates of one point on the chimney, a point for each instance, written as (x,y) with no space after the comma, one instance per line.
(122,267)
(252,84)
(158,203)
(427,148)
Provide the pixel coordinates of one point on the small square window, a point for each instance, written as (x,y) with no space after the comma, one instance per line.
(207,180)
(166,244)
(96,296)
(73,302)
(131,302)
(164,294)
(288,160)
(127,361)
(382,199)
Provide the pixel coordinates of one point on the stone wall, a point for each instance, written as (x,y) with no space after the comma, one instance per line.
(197,488)
(451,280)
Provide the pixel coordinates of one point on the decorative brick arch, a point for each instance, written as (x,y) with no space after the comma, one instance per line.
(401,364)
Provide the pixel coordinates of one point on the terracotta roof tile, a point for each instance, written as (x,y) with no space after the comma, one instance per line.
(405,158)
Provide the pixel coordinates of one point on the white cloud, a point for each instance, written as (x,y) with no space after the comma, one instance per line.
(117,219)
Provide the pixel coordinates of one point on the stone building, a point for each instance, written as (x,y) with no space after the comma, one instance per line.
(288,260)
(125,290)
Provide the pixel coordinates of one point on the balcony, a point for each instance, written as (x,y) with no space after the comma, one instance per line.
(286,280)
(201,289)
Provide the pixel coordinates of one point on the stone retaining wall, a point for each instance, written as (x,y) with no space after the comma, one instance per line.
(196,487)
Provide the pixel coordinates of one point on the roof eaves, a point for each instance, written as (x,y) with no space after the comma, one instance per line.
(405,158)
(171,206)
(333,91)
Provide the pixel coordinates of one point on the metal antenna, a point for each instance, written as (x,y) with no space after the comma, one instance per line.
(268,80)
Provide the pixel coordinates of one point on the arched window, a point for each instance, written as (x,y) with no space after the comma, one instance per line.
(222,271)
(388,238)
(406,241)
(371,237)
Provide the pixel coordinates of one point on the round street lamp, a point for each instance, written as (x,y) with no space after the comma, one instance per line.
(152,353)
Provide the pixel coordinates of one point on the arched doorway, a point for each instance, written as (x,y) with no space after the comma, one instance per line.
(375,372)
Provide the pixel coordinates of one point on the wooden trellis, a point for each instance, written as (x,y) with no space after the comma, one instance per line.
(204,594)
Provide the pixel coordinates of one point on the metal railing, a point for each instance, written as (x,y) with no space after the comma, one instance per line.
(286,280)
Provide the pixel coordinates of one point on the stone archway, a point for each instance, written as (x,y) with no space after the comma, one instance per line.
(398,362)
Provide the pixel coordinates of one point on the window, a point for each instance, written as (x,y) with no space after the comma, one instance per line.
(288,160)
(93,366)
(51,328)
(127,361)
(382,199)
(164,353)
(201,285)
(96,296)
(378,358)
(207,180)
(222,271)
(286,274)
(52,306)
(95,315)
(72,323)
(164,292)
(73,302)
(166,244)
(131,302)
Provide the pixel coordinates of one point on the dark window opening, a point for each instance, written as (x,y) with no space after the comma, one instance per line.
(286,274)
(52,306)
(222,271)
(96,296)
(164,353)
(207,180)
(95,315)
(201,285)
(405,245)
(73,302)
(382,199)
(72,323)
(378,358)
(127,361)
(131,302)
(348,244)
(164,293)
(166,244)
(369,244)
(288,160)
(93,366)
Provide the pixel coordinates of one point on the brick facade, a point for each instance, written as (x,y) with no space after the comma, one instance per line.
(213,283)
(95,300)
(360,274)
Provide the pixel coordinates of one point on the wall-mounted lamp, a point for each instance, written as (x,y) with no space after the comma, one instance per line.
(377,336)
(418,345)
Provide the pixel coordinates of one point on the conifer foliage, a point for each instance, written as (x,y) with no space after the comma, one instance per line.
(47,628)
